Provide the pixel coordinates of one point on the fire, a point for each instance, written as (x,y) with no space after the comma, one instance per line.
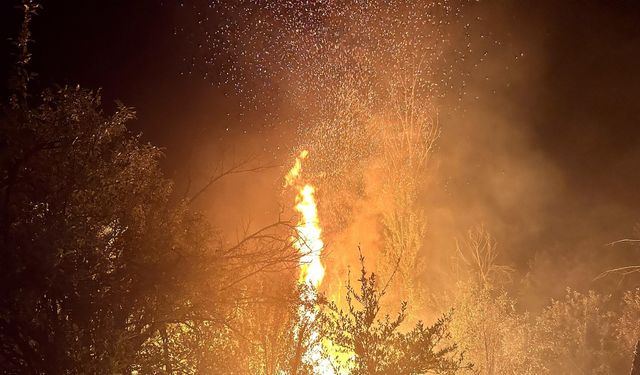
(309,242)
(294,172)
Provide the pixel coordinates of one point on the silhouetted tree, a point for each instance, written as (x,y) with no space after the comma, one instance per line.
(100,259)
(377,345)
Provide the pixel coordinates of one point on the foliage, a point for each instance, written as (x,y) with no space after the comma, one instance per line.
(258,339)
(100,261)
(577,336)
(628,329)
(377,345)
(104,267)
(580,334)
(495,337)
(95,257)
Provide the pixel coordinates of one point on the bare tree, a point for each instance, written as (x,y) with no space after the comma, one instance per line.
(479,253)
(625,271)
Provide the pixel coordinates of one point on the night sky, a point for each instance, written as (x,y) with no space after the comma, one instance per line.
(574,96)
(584,107)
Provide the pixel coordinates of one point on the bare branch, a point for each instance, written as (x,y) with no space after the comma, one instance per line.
(236,168)
(624,240)
(626,270)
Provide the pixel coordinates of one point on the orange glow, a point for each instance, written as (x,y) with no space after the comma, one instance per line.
(309,242)
(294,172)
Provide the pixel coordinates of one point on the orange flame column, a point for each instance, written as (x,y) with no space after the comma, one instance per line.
(309,242)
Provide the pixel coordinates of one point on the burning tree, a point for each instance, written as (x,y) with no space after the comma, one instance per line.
(375,125)
(391,135)
(409,130)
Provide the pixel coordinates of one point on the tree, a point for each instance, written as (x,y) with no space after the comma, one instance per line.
(479,254)
(97,255)
(376,345)
(631,303)
(101,260)
(258,336)
(485,322)
(92,250)
(576,335)
(495,337)
(628,329)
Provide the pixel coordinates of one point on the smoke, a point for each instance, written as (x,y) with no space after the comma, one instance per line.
(524,148)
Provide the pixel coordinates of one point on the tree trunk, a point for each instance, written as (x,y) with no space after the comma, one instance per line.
(635,367)
(296,361)
(165,349)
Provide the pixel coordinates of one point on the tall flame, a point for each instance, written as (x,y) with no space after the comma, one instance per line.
(309,242)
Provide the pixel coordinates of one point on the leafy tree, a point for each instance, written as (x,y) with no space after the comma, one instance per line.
(97,256)
(101,260)
(255,338)
(496,338)
(485,322)
(631,303)
(375,345)
(628,327)
(92,250)
(576,335)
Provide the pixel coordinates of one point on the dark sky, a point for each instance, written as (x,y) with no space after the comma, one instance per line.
(575,96)
(126,48)
(584,108)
